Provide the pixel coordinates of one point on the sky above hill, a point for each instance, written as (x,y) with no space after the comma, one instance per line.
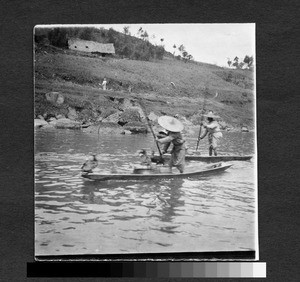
(208,43)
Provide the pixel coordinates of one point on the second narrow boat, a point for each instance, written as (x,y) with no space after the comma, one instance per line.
(203,158)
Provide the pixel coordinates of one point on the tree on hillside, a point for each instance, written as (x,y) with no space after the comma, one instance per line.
(229,62)
(126,51)
(111,35)
(162,40)
(58,37)
(236,62)
(185,55)
(159,53)
(190,57)
(181,48)
(174,47)
(241,65)
(86,34)
(145,35)
(126,30)
(140,32)
(73,32)
(102,32)
(249,61)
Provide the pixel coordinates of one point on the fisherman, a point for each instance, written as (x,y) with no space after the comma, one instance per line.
(174,136)
(183,132)
(212,129)
(163,134)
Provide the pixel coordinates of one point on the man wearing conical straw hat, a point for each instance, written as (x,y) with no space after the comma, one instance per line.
(174,136)
(212,129)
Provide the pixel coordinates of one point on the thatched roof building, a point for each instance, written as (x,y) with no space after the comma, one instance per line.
(91,46)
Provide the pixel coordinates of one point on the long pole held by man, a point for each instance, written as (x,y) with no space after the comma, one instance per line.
(202,116)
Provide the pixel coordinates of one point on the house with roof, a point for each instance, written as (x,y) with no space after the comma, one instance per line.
(91,47)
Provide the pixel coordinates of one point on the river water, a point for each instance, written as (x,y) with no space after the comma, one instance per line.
(78,216)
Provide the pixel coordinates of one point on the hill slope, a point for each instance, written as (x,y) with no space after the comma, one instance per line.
(228,92)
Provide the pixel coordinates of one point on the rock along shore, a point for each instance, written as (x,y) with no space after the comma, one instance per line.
(115,115)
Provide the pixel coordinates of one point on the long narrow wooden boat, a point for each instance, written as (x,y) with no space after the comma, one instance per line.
(210,159)
(217,158)
(190,172)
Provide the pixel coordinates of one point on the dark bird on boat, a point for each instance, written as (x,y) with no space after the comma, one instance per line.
(148,160)
(90,164)
(145,159)
(157,159)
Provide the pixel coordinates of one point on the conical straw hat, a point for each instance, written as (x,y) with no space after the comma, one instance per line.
(170,123)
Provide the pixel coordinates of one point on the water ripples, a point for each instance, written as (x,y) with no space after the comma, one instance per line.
(78,216)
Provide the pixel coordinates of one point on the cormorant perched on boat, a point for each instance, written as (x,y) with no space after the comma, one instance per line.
(145,159)
(90,164)
(157,159)
(148,160)
(146,164)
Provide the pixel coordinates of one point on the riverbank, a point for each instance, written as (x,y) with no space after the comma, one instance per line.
(113,113)
(67,87)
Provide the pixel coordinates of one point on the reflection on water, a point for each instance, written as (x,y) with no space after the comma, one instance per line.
(79,216)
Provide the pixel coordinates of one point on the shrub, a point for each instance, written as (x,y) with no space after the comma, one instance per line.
(86,34)
(58,37)
(159,52)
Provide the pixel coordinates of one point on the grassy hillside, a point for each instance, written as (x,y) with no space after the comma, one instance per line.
(78,76)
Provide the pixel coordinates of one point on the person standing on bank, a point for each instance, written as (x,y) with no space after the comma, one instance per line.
(212,129)
(174,136)
(104,84)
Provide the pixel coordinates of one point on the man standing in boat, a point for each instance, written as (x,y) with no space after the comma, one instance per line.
(174,136)
(212,129)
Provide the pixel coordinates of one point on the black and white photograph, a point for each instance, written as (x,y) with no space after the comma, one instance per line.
(145,139)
